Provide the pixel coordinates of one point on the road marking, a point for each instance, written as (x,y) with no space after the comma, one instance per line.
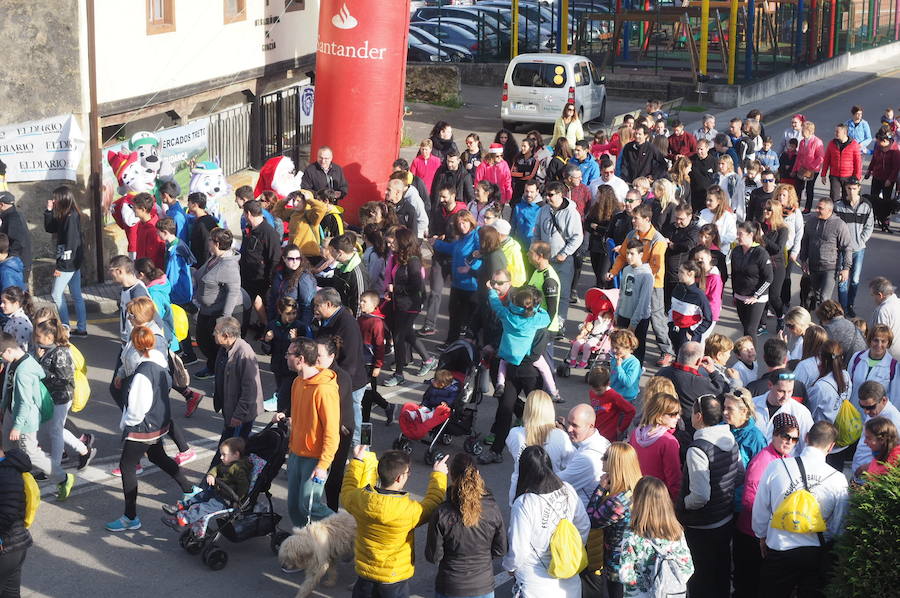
(834,95)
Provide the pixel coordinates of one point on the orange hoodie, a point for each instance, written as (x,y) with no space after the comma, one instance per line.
(316,417)
(655,246)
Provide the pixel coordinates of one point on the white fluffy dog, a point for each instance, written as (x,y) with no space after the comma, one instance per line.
(317,548)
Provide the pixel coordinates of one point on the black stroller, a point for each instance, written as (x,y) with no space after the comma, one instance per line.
(463,359)
(249,518)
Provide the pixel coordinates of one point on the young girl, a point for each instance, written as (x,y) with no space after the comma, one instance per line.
(710,279)
(625,367)
(709,239)
(16,305)
(52,351)
(690,315)
(613,412)
(719,212)
(827,394)
(280,334)
(732,184)
(680,175)
(442,390)
(775,240)
(602,147)
(487,195)
(654,439)
(590,336)
(524,169)
(472,155)
(654,534)
(746,365)
(880,436)
(786,163)
(807,370)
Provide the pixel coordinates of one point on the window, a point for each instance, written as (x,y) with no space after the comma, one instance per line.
(290,5)
(582,74)
(235,10)
(160,16)
(539,74)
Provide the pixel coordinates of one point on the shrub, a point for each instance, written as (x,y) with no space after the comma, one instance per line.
(868,552)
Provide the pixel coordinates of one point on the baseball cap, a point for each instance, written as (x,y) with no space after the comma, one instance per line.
(7,197)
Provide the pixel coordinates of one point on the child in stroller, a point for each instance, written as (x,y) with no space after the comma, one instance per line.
(418,420)
(233,470)
(592,341)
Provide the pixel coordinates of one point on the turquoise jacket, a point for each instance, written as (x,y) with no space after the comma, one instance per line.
(27,395)
(461,251)
(624,378)
(160,291)
(518,329)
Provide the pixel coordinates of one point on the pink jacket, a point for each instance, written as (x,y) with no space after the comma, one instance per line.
(499,175)
(751,484)
(810,155)
(658,455)
(425,169)
(713,292)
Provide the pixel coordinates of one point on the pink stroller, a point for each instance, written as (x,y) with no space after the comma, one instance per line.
(600,304)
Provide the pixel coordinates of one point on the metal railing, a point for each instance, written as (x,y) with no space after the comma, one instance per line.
(229,138)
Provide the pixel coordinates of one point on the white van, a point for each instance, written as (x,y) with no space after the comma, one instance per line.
(537,86)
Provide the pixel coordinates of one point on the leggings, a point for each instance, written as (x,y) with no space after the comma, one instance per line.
(11,572)
(205,326)
(786,286)
(540,364)
(750,316)
(462,306)
(775,298)
(372,396)
(583,347)
(600,262)
(881,194)
(132,452)
(809,186)
(177,436)
(520,378)
(336,472)
(578,261)
(402,327)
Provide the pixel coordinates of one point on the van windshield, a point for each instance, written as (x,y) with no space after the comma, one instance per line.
(539,74)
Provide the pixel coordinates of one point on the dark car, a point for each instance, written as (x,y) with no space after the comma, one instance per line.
(457,53)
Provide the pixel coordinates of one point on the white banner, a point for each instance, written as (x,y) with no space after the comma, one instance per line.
(42,150)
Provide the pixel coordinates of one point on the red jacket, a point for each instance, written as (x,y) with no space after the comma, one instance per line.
(499,175)
(148,243)
(684,144)
(659,455)
(842,162)
(614,414)
(885,164)
(371,326)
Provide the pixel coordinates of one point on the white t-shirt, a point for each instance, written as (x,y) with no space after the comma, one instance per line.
(558,448)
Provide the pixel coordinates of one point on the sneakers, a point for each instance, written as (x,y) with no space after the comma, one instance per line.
(88,440)
(293,571)
(666,360)
(64,488)
(172,509)
(427,367)
(389,413)
(394,380)
(40,476)
(763,329)
(488,457)
(851,313)
(426,331)
(78,333)
(184,457)
(205,374)
(193,401)
(557,398)
(137,471)
(85,459)
(189,495)
(498,392)
(582,364)
(189,359)
(172,522)
(123,523)
(560,336)
(572,363)
(488,440)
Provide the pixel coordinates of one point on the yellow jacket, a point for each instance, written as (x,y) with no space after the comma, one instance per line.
(655,246)
(303,225)
(512,251)
(385,522)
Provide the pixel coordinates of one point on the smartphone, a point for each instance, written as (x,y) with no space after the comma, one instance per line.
(365,434)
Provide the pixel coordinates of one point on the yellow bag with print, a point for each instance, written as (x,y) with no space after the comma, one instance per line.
(799,512)
(568,556)
(848,423)
(32,497)
(82,390)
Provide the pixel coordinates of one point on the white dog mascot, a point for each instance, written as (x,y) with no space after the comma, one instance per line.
(133,178)
(208,178)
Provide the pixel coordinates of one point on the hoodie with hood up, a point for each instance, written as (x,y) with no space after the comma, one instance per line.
(179,260)
(659,455)
(13,534)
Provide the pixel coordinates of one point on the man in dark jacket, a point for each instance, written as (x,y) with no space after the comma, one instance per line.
(760,195)
(14,226)
(203,223)
(641,158)
(260,254)
(406,212)
(324,174)
(691,384)
(350,278)
(416,182)
(682,238)
(451,173)
(826,252)
(334,319)
(704,174)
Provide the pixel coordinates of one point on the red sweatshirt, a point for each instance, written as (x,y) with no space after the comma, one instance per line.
(658,454)
(614,413)
(371,326)
(684,144)
(842,161)
(148,243)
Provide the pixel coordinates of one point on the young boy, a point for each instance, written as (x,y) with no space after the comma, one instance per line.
(179,260)
(633,309)
(350,277)
(614,413)
(148,242)
(372,328)
(786,162)
(121,270)
(746,365)
(718,347)
(168,193)
(386,517)
(767,156)
(12,270)
(281,332)
(21,405)
(233,470)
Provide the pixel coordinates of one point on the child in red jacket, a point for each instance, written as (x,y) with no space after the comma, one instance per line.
(148,243)
(614,412)
(372,328)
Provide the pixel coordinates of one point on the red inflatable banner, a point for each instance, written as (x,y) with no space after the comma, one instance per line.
(360,80)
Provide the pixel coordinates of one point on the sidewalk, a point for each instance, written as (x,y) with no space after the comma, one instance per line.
(101,298)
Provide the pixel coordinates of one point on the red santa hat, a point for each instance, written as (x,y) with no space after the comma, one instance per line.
(266,176)
(496,148)
(120,161)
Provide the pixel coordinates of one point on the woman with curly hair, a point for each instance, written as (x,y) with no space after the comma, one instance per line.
(465,534)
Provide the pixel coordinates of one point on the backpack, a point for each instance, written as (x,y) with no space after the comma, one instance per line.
(799,512)
(46,405)
(848,423)
(179,322)
(668,580)
(82,391)
(32,497)
(858,358)
(568,556)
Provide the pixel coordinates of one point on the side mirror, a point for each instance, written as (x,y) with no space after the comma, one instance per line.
(602,79)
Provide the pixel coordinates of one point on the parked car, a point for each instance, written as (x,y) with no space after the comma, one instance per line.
(492,20)
(449,33)
(417,52)
(491,43)
(537,86)
(457,53)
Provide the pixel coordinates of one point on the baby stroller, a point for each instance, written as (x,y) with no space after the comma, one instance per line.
(597,301)
(463,360)
(248,518)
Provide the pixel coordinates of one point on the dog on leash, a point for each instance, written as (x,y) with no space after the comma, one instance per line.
(317,548)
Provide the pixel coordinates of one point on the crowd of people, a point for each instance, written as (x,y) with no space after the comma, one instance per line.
(681,483)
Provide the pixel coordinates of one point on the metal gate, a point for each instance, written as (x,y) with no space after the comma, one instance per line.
(229,138)
(280,131)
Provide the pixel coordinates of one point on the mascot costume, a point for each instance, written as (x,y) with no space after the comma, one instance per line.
(148,148)
(133,179)
(208,178)
(277,175)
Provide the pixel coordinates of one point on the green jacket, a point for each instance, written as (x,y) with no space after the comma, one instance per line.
(23,394)
(236,475)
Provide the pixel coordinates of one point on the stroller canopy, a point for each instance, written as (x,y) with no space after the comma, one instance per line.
(598,301)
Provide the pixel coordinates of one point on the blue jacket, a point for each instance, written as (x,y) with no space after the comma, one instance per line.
(524,218)
(179,260)
(861,132)
(624,379)
(303,292)
(160,291)
(590,170)
(461,251)
(435,396)
(518,329)
(12,273)
(182,230)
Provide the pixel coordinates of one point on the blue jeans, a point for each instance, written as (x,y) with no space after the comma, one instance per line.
(73,281)
(304,495)
(847,290)
(358,395)
(488,595)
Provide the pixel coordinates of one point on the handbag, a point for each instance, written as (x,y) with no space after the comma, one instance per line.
(180,376)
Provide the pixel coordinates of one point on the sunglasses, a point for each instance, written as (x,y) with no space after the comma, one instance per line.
(768,180)
(790,438)
(292,259)
(868,408)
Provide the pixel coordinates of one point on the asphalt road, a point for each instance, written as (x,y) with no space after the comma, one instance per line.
(74,556)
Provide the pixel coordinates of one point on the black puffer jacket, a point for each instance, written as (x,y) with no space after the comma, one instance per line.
(409,286)
(465,554)
(751,271)
(12,501)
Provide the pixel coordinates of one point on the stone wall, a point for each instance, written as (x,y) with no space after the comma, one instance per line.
(432,83)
